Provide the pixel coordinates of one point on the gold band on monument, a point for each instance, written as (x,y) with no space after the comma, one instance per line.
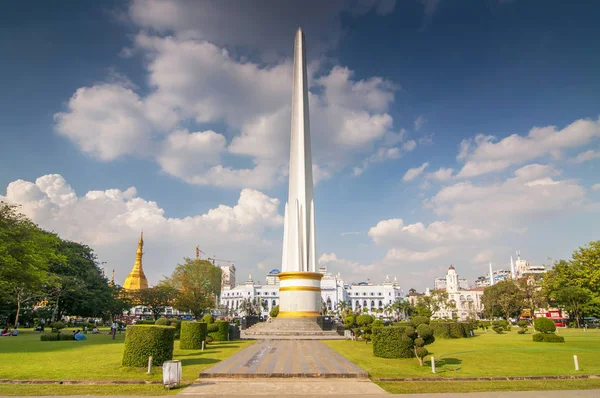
(299,288)
(315,276)
(298,314)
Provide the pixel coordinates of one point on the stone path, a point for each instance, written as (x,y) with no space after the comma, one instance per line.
(283,387)
(285,359)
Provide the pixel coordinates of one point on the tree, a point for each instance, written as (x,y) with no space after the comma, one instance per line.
(25,254)
(197,283)
(400,307)
(156,298)
(506,296)
(78,286)
(574,299)
(274,312)
(582,271)
(118,302)
(533,296)
(436,301)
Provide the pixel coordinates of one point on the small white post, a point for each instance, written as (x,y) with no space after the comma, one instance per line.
(203,346)
(576,362)
(432,364)
(150,365)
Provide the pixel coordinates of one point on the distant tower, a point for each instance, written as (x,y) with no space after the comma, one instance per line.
(512,269)
(491,275)
(451,280)
(112,280)
(136,280)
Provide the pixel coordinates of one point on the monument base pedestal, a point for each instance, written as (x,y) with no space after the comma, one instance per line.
(299,294)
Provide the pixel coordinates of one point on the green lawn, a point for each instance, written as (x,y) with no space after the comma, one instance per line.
(97,358)
(486,354)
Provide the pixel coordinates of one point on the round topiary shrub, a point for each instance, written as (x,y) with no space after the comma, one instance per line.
(544,325)
(364,320)
(522,323)
(143,341)
(349,321)
(208,318)
(57,326)
(274,312)
(162,322)
(377,323)
(415,321)
(192,335)
(212,328)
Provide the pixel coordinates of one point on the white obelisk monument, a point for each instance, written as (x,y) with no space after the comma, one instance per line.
(300,285)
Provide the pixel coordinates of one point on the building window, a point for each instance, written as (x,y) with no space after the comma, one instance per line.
(372,304)
(274,302)
(380,303)
(365,303)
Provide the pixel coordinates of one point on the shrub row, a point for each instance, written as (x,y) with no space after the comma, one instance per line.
(143,341)
(548,338)
(144,322)
(222,332)
(55,337)
(176,323)
(451,330)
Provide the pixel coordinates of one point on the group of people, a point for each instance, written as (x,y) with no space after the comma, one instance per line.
(77,335)
(7,332)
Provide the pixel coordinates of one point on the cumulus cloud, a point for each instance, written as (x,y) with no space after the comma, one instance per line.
(118,216)
(531,193)
(400,255)
(255,27)
(587,155)
(106,121)
(482,154)
(394,231)
(442,174)
(335,264)
(411,174)
(596,187)
(196,82)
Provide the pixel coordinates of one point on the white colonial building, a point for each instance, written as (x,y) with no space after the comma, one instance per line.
(464,303)
(333,292)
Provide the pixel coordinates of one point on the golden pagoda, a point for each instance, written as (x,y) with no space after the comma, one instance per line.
(136,280)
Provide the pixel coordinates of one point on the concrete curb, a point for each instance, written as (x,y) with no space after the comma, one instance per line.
(495,378)
(83,382)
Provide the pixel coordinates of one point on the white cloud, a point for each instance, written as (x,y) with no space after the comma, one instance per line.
(442,174)
(393,232)
(255,27)
(401,255)
(419,122)
(106,121)
(118,216)
(587,155)
(482,257)
(531,193)
(411,174)
(484,155)
(194,81)
(346,267)
(596,187)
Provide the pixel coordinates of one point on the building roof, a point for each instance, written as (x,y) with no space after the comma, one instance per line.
(451,266)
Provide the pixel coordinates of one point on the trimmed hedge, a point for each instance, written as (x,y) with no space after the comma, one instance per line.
(212,328)
(192,335)
(144,322)
(548,338)
(143,341)
(55,337)
(222,333)
(451,330)
(393,342)
(162,322)
(208,318)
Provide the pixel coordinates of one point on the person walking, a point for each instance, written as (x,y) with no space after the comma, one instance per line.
(113,329)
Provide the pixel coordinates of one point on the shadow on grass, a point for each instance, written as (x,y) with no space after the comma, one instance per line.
(199,361)
(446,365)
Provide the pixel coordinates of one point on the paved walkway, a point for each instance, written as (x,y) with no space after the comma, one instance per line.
(284,387)
(285,359)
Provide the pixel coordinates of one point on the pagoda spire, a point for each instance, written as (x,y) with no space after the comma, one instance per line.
(136,279)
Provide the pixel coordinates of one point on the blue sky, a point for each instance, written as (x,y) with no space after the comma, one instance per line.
(444,132)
